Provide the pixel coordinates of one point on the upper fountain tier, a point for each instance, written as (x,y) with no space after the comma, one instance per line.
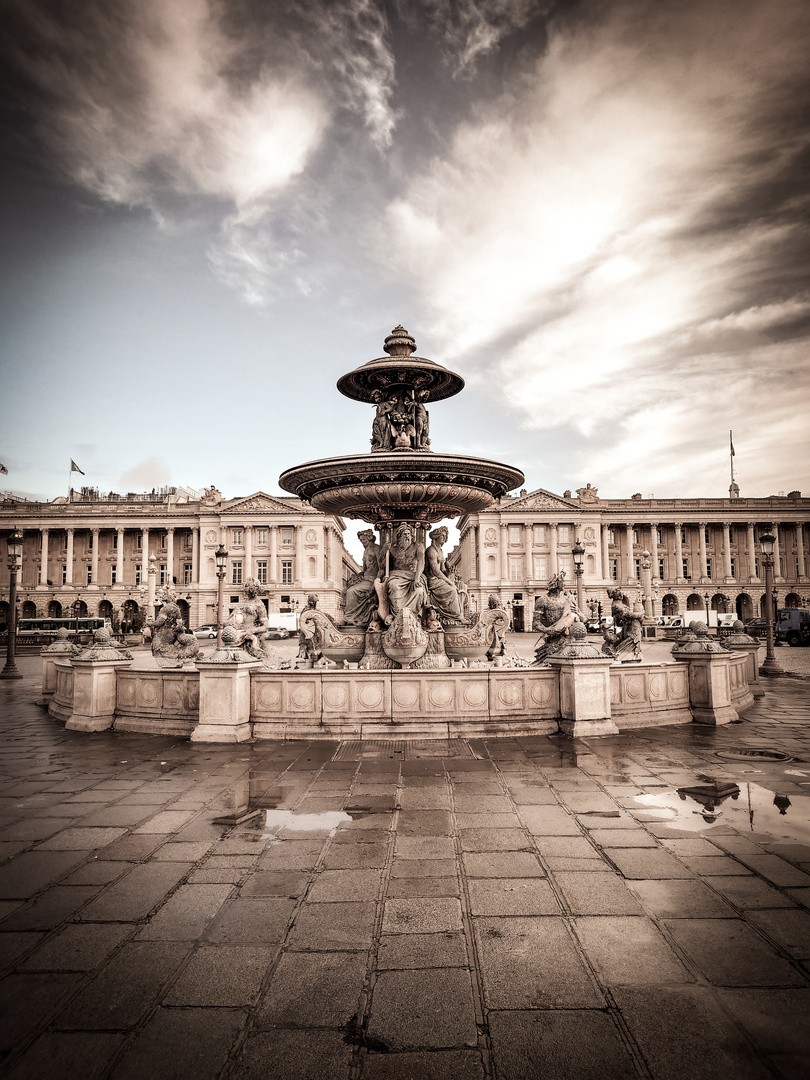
(400,372)
(401,479)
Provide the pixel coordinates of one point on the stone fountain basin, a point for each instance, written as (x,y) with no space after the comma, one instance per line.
(404,485)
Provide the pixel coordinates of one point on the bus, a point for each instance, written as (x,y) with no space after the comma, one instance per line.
(84,624)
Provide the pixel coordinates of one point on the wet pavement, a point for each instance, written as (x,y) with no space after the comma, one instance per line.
(626,906)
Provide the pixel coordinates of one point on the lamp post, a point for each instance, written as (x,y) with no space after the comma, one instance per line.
(706,602)
(15,546)
(578,554)
(221,558)
(767,542)
(150,594)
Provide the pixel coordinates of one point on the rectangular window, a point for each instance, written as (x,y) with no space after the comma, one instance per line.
(286,572)
(659,536)
(187,573)
(733,567)
(756,568)
(287,536)
(137,575)
(686,570)
(163,541)
(540,567)
(539,534)
(39,575)
(515,538)
(89,541)
(708,567)
(261,571)
(614,569)
(662,569)
(113,575)
(236,572)
(635,536)
(261,537)
(164,574)
(515,568)
(706,534)
(188,541)
(64,542)
(683,536)
(237,537)
(563,534)
(89,575)
(611,536)
(566,564)
(64,575)
(115,541)
(139,540)
(637,564)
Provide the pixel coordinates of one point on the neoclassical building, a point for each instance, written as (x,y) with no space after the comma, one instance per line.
(697,548)
(91,554)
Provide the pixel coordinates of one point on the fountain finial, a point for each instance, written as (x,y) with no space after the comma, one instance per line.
(399,342)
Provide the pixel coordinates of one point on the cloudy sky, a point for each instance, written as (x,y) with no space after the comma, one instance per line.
(596,212)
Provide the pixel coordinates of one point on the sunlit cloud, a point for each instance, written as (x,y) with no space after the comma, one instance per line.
(602,240)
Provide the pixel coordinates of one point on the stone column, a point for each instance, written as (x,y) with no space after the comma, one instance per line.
(43,561)
(799,552)
(629,567)
(145,557)
(728,576)
(753,576)
(170,556)
(94,558)
(552,549)
(69,558)
(195,556)
(476,569)
(298,569)
(777,575)
(119,558)
(678,575)
(327,554)
(704,569)
(527,552)
(273,568)
(248,552)
(654,550)
(504,553)
(605,533)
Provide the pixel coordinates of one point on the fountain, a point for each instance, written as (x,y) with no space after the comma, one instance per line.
(403,610)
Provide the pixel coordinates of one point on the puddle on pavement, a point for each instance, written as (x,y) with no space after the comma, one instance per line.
(328,822)
(747,808)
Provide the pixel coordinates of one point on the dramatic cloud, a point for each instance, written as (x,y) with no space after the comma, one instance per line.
(606,234)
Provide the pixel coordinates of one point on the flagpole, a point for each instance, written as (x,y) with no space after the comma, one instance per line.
(731,454)
(70,474)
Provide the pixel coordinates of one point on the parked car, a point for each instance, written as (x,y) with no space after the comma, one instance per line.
(278,633)
(793,626)
(205,632)
(756,628)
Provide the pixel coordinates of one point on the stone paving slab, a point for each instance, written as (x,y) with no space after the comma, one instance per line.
(494,910)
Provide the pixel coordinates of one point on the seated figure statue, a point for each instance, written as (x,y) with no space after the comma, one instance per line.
(444,596)
(404,585)
(172,643)
(249,619)
(554,615)
(360,598)
(624,642)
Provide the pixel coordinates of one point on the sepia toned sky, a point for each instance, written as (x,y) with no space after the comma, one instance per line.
(595,212)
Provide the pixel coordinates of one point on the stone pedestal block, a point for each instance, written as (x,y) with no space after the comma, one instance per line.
(224,701)
(710,688)
(584,695)
(94,693)
(752,657)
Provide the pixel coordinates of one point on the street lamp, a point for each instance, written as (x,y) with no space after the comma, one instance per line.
(15,546)
(578,554)
(767,543)
(221,558)
(646,584)
(706,602)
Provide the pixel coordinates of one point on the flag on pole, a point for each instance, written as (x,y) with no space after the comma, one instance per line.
(3,470)
(731,444)
(75,468)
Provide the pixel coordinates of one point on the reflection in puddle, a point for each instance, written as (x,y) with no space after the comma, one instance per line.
(747,808)
(326,822)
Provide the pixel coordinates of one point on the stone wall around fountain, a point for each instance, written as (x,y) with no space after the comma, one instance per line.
(337,703)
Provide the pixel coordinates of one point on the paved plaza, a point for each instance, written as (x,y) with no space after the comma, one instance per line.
(625,906)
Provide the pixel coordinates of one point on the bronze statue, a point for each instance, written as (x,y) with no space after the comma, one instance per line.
(360,598)
(624,645)
(554,615)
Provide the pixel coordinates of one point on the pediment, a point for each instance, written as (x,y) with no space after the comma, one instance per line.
(541,500)
(259,502)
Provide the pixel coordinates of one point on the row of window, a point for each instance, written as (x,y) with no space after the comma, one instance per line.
(565,535)
(261,571)
(163,573)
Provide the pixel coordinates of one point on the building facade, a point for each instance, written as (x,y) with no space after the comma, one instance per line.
(91,554)
(701,551)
